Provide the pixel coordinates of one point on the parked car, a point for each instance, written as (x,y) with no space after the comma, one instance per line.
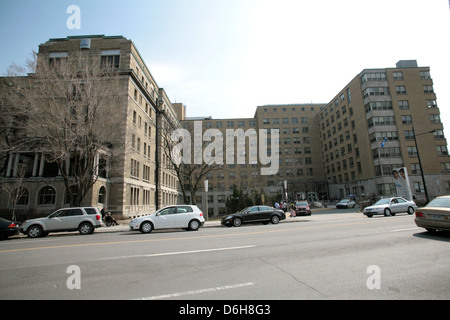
(302,208)
(83,219)
(345,203)
(435,215)
(390,206)
(8,228)
(264,214)
(188,217)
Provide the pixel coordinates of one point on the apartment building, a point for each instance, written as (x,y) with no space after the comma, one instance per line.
(350,146)
(369,128)
(140,180)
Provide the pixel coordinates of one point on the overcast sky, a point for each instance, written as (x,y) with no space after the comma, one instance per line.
(223,58)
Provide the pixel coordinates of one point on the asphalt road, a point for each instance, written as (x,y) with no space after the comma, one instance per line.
(326,256)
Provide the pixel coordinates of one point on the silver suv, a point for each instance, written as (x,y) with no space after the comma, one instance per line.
(83,219)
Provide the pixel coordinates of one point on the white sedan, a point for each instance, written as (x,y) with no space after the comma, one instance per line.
(188,217)
(390,206)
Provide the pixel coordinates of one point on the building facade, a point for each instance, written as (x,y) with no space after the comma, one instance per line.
(140,180)
(383,119)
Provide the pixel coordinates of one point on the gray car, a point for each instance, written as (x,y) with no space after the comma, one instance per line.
(83,219)
(390,206)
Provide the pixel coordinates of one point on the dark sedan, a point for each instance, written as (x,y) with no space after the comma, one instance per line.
(8,228)
(264,214)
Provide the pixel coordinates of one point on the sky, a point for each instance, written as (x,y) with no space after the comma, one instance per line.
(223,58)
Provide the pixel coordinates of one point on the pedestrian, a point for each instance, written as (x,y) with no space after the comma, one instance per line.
(292,210)
(277,205)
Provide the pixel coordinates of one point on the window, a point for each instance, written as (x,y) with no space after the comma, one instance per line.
(431,104)
(110,58)
(400,90)
(428,89)
(379,91)
(403,104)
(434,118)
(47,195)
(442,150)
(406,119)
(398,75)
(425,75)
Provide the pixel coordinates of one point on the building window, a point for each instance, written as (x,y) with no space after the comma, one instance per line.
(403,104)
(400,90)
(428,89)
(435,119)
(110,58)
(442,150)
(47,195)
(398,75)
(406,119)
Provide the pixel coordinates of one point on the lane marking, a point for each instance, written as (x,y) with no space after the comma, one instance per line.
(408,229)
(176,253)
(196,237)
(193,292)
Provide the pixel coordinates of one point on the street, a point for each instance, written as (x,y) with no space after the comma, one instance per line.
(329,255)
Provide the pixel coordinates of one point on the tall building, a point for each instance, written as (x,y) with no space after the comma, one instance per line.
(370,127)
(141,180)
(350,146)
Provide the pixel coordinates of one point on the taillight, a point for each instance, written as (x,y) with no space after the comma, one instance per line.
(98,217)
(201,214)
(419,214)
(12,225)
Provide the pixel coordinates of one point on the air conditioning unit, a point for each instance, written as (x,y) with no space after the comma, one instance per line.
(85,44)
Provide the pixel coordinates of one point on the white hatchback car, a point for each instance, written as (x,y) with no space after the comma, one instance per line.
(188,217)
(83,219)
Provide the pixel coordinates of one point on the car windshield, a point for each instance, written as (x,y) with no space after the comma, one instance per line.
(439,202)
(383,201)
(301,204)
(345,200)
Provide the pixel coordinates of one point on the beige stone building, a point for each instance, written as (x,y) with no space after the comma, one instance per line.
(141,181)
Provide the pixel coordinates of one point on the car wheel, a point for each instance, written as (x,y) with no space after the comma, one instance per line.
(387,212)
(85,228)
(237,222)
(34,231)
(410,210)
(146,227)
(194,225)
(274,219)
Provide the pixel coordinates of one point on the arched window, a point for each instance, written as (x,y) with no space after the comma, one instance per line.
(47,195)
(102,195)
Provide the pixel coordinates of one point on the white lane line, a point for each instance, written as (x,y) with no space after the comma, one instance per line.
(176,253)
(409,229)
(193,292)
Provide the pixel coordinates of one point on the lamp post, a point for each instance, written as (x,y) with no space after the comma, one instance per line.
(420,162)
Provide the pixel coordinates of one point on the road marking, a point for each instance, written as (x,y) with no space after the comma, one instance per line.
(193,292)
(176,253)
(408,229)
(199,237)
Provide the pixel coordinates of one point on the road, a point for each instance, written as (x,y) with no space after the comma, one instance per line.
(326,256)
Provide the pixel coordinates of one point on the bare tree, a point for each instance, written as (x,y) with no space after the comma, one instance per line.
(190,174)
(71,111)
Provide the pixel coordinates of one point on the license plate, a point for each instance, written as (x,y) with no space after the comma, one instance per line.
(436,217)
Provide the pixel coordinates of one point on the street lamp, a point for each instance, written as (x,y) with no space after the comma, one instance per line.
(420,162)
